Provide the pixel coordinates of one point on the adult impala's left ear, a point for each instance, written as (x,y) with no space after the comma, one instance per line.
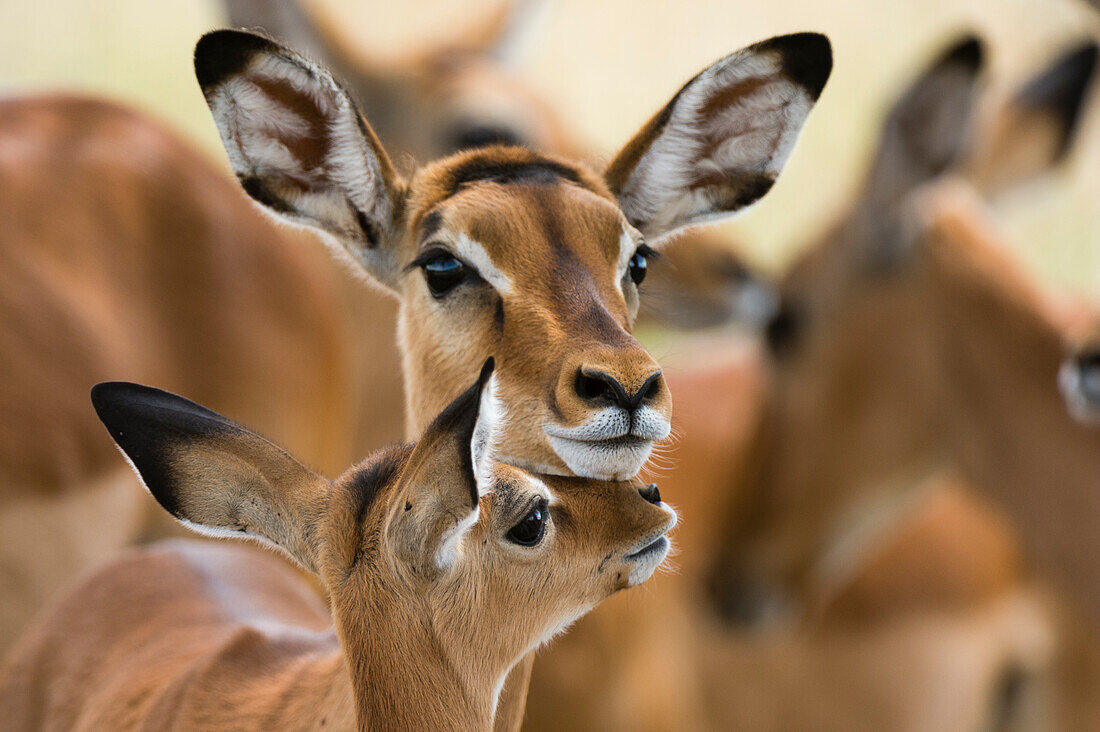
(719,145)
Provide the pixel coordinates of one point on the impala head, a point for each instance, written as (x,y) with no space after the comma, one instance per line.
(457,95)
(505,252)
(858,347)
(434,537)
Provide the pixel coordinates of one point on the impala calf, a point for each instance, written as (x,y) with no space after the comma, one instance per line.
(442,567)
(502,251)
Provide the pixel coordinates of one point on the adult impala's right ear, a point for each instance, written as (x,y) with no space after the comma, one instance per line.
(299,146)
(719,144)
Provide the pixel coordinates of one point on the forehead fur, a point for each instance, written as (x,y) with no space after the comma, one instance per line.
(502,165)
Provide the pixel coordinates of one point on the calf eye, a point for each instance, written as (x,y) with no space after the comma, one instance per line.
(530,529)
(443,274)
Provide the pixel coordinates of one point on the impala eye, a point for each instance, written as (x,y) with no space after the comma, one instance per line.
(443,273)
(530,529)
(639,263)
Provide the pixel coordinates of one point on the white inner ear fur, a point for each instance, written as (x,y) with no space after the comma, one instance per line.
(259,130)
(755,133)
(449,541)
(490,424)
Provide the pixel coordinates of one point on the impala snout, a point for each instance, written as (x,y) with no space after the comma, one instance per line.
(612,407)
(599,386)
(652,545)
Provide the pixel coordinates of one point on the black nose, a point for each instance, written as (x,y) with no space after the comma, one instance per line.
(651,494)
(599,386)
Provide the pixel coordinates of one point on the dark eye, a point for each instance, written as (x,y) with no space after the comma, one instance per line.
(638,264)
(443,274)
(531,527)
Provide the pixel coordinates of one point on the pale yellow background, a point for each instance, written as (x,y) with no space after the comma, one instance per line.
(610,63)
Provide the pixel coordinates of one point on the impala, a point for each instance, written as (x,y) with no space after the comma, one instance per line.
(909,339)
(442,568)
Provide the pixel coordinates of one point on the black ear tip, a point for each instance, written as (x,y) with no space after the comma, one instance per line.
(486,372)
(968,52)
(110,399)
(222,53)
(807,59)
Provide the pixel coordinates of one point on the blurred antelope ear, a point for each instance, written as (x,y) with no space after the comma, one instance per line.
(299,146)
(212,474)
(440,484)
(1034,131)
(510,33)
(926,131)
(721,142)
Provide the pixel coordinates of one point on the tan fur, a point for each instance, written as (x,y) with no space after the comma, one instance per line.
(211,637)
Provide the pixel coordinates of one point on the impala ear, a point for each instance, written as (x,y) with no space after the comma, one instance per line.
(721,142)
(1034,131)
(509,34)
(926,131)
(440,484)
(300,148)
(212,474)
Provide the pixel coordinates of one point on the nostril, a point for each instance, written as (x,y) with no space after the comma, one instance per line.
(652,388)
(651,494)
(593,387)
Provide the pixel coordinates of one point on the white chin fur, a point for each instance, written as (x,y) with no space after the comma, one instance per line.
(600,460)
(644,568)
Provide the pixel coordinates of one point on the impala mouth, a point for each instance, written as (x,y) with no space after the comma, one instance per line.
(660,545)
(612,444)
(615,458)
(645,559)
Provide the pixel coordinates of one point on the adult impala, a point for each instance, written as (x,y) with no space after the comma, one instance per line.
(443,569)
(910,339)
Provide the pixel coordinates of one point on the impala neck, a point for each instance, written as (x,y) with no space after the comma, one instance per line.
(1011,430)
(404,675)
(432,378)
